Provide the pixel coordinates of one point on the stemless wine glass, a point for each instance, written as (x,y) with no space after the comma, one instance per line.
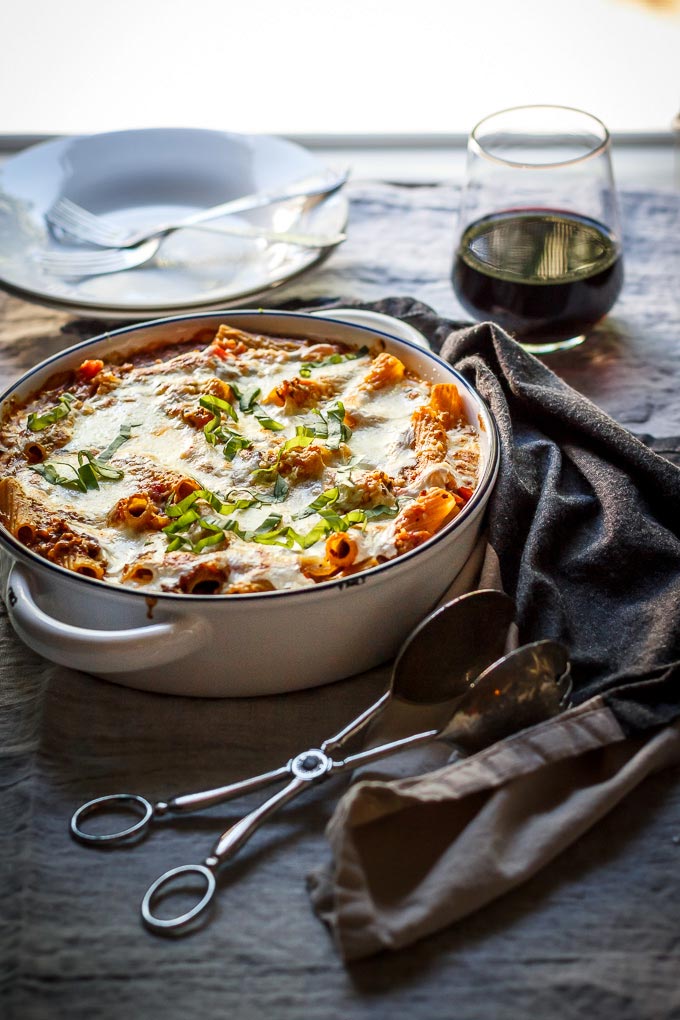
(539,240)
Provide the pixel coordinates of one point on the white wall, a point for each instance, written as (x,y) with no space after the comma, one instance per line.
(299,66)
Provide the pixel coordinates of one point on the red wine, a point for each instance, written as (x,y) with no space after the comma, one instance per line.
(545,276)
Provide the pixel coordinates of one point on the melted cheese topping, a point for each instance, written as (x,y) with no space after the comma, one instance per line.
(252,464)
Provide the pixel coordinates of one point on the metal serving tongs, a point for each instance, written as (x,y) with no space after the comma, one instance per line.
(454,658)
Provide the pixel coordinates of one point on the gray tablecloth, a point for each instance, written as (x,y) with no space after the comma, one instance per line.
(595,934)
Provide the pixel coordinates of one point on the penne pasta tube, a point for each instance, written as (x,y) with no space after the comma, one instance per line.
(427,514)
(359,565)
(430,440)
(183,488)
(318,569)
(137,573)
(84,565)
(446,402)
(250,587)
(204,579)
(35,452)
(17,512)
(340,553)
(139,513)
(385,370)
(341,550)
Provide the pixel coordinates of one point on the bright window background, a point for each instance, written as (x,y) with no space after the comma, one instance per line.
(343,67)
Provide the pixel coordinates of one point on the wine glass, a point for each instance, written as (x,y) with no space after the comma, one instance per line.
(539,238)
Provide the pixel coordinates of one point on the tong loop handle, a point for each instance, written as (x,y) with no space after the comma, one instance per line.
(226,847)
(167,924)
(98,806)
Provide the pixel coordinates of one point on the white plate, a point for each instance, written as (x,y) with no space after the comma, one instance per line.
(143,177)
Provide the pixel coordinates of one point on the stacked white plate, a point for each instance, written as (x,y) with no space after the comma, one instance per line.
(142,178)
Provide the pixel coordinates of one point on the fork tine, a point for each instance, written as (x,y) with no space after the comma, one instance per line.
(75,267)
(81,262)
(93,263)
(83,225)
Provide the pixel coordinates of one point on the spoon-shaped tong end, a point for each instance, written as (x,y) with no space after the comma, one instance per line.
(452,646)
(522,689)
(437,663)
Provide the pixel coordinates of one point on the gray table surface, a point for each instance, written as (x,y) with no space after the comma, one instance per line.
(596,934)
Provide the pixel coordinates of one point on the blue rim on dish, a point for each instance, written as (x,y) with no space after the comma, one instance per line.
(487,481)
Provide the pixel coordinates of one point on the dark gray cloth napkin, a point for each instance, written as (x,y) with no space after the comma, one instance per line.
(583,531)
(584,519)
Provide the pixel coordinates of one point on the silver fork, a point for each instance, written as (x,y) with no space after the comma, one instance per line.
(117,260)
(68,217)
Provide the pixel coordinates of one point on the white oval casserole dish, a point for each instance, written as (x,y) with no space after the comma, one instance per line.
(240,645)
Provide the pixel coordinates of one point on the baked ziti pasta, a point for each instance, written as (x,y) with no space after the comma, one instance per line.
(245,464)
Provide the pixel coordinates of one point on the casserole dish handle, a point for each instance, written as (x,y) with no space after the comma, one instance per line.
(98,651)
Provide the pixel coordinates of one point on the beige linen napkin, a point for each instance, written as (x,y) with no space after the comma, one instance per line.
(413,855)
(425,838)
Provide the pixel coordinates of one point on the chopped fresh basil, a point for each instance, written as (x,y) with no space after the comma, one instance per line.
(372,513)
(334,520)
(242,498)
(266,421)
(332,427)
(233,443)
(304,432)
(214,537)
(49,472)
(248,405)
(218,406)
(232,503)
(313,536)
(37,422)
(91,469)
(321,502)
(182,522)
(189,529)
(124,433)
(87,472)
(333,359)
(298,440)
(209,430)
(246,401)
(270,524)
(263,476)
(280,490)
(215,432)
